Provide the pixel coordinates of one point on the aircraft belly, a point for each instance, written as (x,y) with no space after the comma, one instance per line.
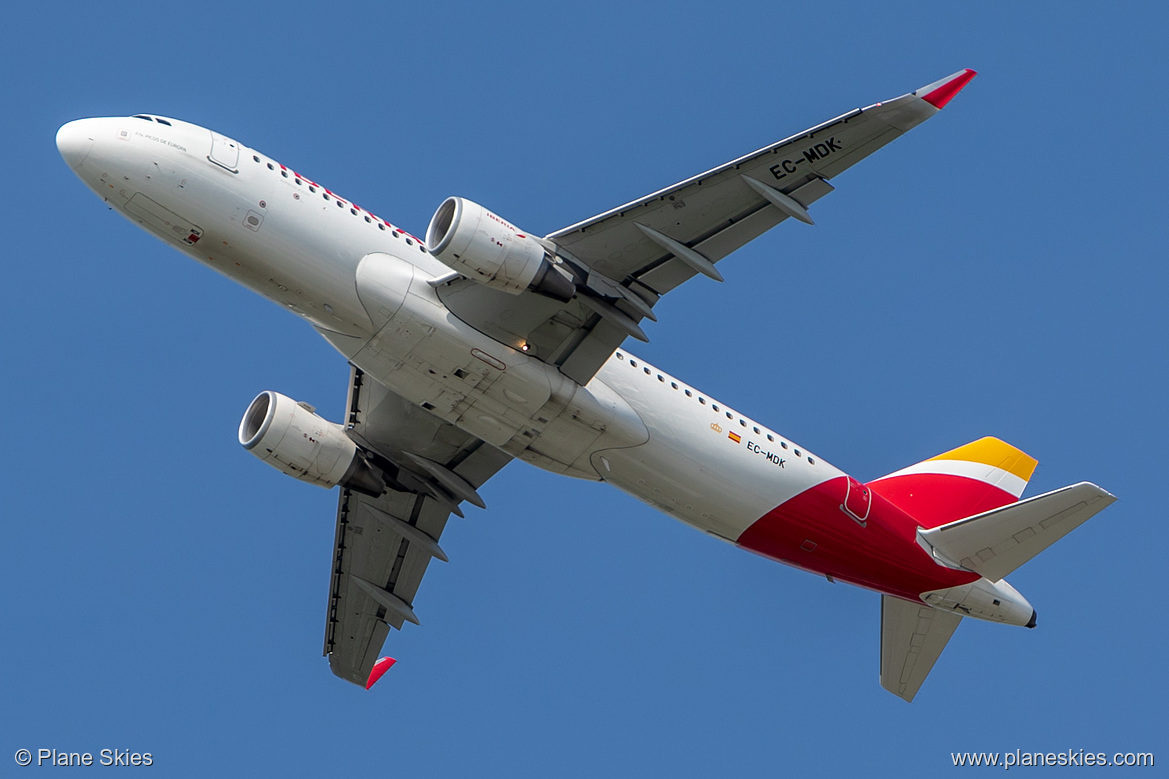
(433,359)
(596,419)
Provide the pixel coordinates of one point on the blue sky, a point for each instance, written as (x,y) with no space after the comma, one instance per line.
(1000,270)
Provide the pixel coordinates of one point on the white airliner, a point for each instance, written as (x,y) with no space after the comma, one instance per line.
(485,343)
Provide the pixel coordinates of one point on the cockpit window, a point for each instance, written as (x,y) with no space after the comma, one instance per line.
(141,116)
(163,121)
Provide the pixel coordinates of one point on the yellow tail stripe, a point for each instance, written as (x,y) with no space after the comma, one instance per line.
(992,451)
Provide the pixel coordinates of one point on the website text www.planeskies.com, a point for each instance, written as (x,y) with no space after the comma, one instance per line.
(1068,757)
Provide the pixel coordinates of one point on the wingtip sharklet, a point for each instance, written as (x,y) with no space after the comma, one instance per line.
(939,93)
(379,669)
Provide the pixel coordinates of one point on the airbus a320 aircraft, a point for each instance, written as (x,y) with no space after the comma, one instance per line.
(485,343)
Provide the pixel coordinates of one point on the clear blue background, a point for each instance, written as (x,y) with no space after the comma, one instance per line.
(1001,270)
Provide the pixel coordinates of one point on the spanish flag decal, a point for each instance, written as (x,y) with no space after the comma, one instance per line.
(734,436)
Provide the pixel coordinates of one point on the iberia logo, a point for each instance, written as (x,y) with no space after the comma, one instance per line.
(734,436)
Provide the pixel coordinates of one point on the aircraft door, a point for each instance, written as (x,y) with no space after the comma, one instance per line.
(857,501)
(224,152)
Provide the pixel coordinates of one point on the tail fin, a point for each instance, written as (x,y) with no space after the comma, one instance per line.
(978,477)
(997,542)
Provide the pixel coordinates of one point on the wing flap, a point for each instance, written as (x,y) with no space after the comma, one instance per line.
(913,636)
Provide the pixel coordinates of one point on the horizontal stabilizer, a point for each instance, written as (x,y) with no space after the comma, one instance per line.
(913,636)
(997,542)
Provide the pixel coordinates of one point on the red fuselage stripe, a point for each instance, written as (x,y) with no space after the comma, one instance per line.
(814,532)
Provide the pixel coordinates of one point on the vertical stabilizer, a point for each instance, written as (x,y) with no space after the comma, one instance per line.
(980,476)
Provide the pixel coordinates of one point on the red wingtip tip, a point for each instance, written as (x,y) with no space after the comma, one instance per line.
(944,91)
(378,670)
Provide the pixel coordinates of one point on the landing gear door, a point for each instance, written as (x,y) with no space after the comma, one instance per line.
(857,501)
(224,152)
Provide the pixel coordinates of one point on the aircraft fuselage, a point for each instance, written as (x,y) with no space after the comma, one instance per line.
(371,289)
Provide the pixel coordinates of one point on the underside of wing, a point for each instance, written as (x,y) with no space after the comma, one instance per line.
(384,545)
(622,261)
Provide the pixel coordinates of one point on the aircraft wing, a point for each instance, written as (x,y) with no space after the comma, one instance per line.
(913,636)
(384,545)
(625,259)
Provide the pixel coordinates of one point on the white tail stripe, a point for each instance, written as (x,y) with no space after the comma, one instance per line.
(1004,480)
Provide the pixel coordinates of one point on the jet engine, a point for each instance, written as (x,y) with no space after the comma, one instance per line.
(293,439)
(468,238)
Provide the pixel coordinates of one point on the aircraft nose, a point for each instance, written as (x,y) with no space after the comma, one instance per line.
(74,140)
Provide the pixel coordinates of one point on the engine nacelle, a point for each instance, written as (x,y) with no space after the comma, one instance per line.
(468,238)
(294,440)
